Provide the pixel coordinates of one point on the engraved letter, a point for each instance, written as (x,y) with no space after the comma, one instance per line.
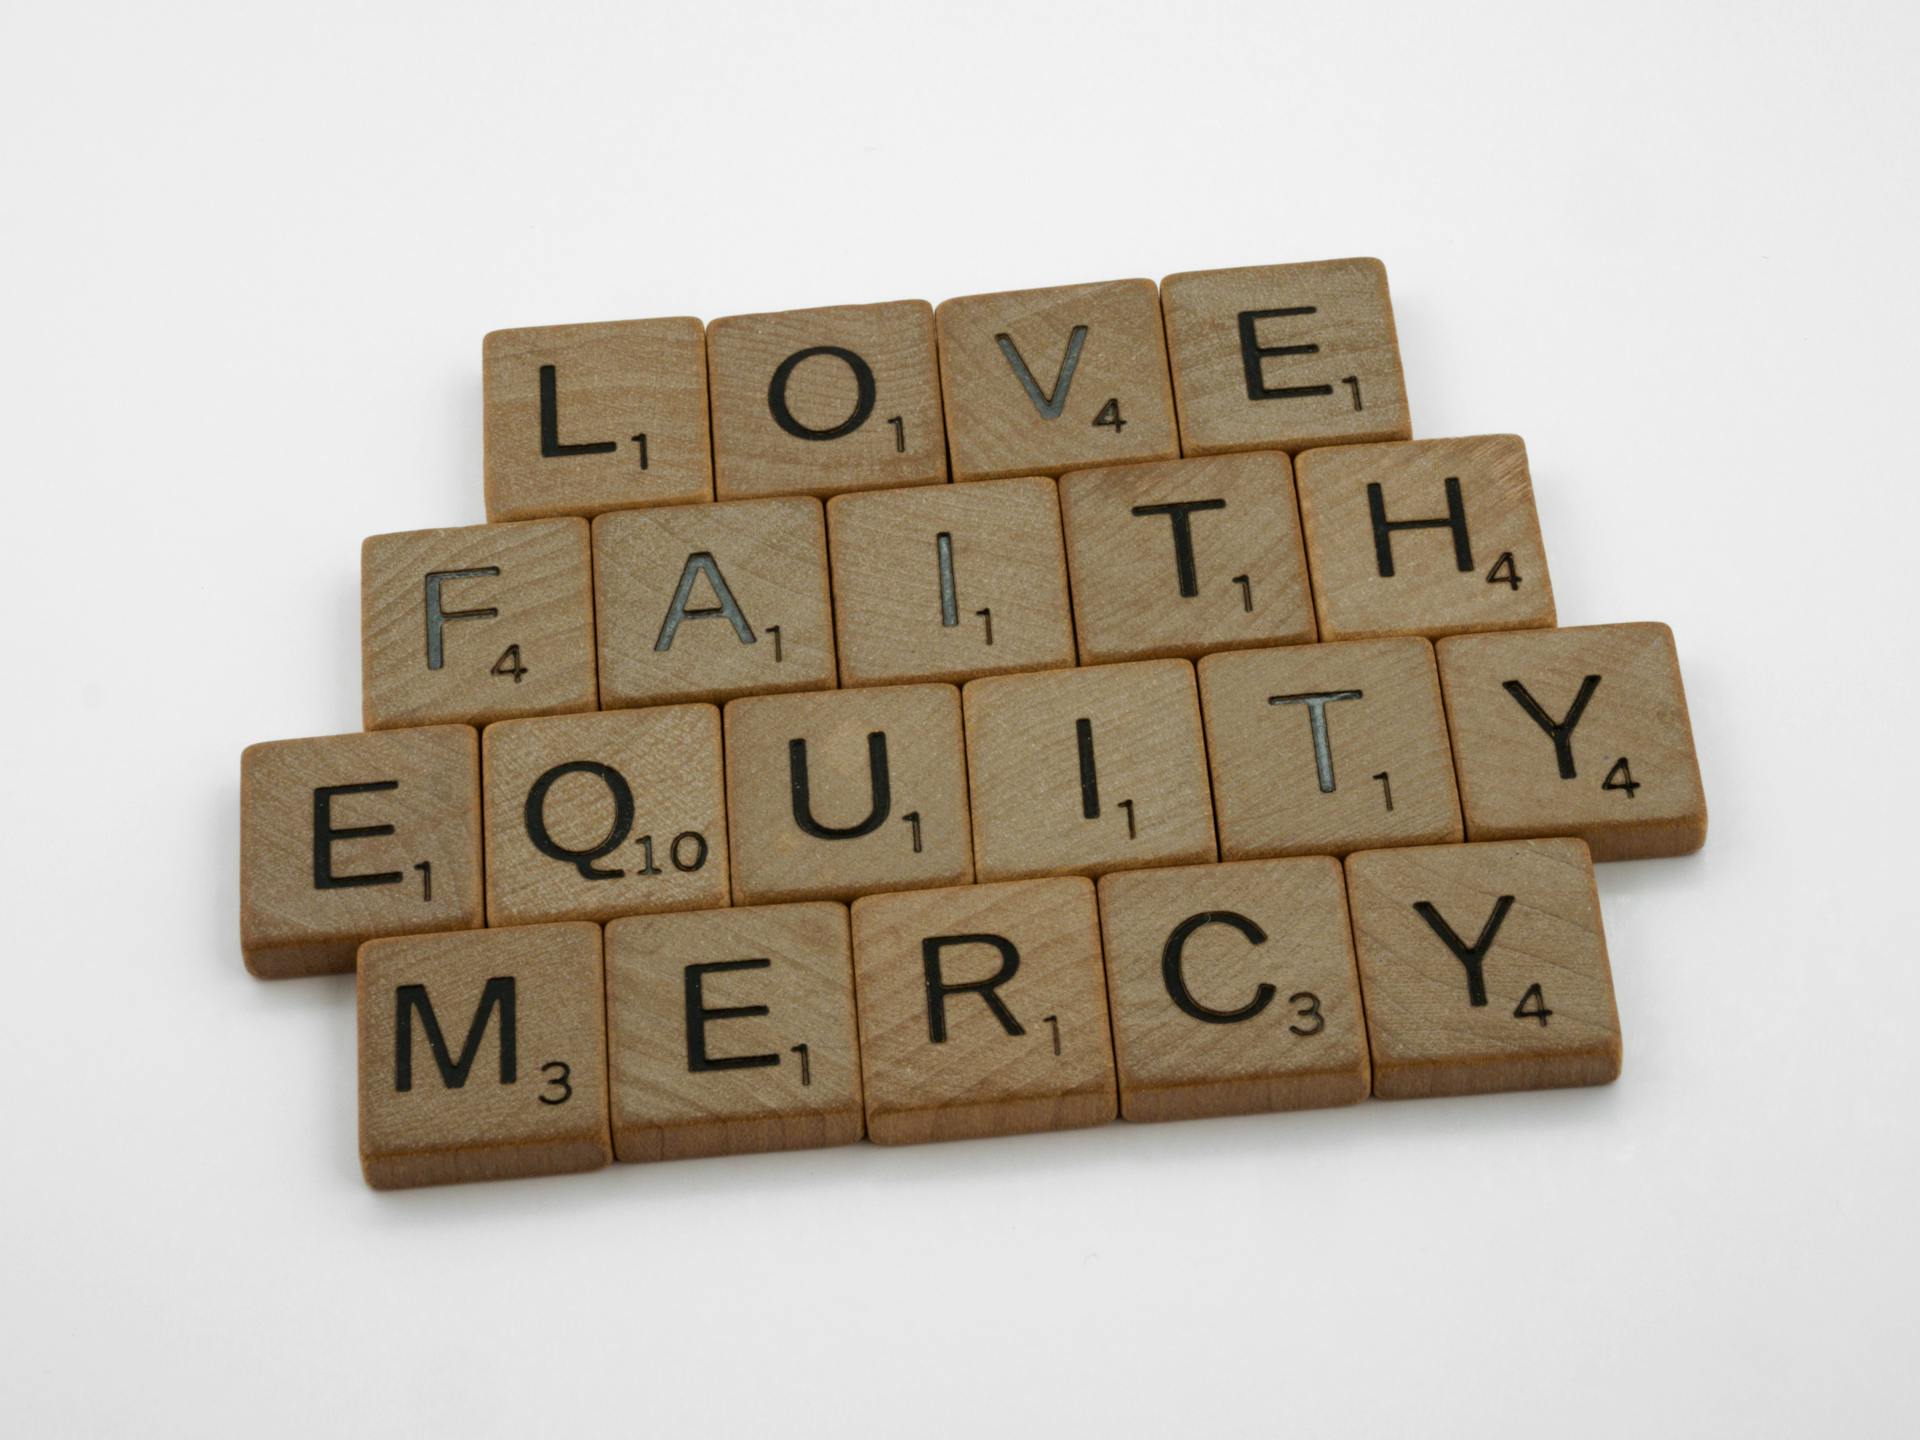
(1317,722)
(1170,967)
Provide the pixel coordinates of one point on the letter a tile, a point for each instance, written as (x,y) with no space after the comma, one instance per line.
(732,1031)
(983,1011)
(1575,732)
(705,602)
(1042,381)
(1484,968)
(482,1056)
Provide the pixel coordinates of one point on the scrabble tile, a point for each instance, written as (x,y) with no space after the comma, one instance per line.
(983,1011)
(615,813)
(1424,537)
(1037,382)
(587,418)
(349,837)
(482,1056)
(1484,968)
(732,1031)
(846,792)
(1575,732)
(950,582)
(1185,557)
(1083,771)
(1283,357)
(705,602)
(817,402)
(476,623)
(1233,989)
(1323,749)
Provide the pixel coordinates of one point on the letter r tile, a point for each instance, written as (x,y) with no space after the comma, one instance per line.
(482,1056)
(1038,382)
(983,1011)
(1283,357)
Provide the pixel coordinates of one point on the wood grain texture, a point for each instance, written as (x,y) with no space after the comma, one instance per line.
(1546,1016)
(514,608)
(1281,789)
(895,811)
(897,584)
(1629,780)
(1343,328)
(643,830)
(1233,989)
(1488,573)
(1034,812)
(611,383)
(771,558)
(732,1031)
(494,1100)
(997,427)
(1185,582)
(942,1063)
(778,420)
(311,891)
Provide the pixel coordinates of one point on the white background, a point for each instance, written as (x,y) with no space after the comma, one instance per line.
(250,251)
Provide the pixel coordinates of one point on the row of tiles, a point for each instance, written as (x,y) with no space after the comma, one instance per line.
(983,1010)
(582,419)
(1180,558)
(1319,749)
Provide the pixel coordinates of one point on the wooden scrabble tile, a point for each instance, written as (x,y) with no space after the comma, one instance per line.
(476,623)
(482,1056)
(705,602)
(1484,968)
(349,837)
(846,792)
(1233,989)
(586,418)
(950,582)
(1185,557)
(1282,357)
(732,1031)
(614,813)
(817,402)
(1037,382)
(983,1011)
(1424,537)
(1575,732)
(1323,749)
(1083,771)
